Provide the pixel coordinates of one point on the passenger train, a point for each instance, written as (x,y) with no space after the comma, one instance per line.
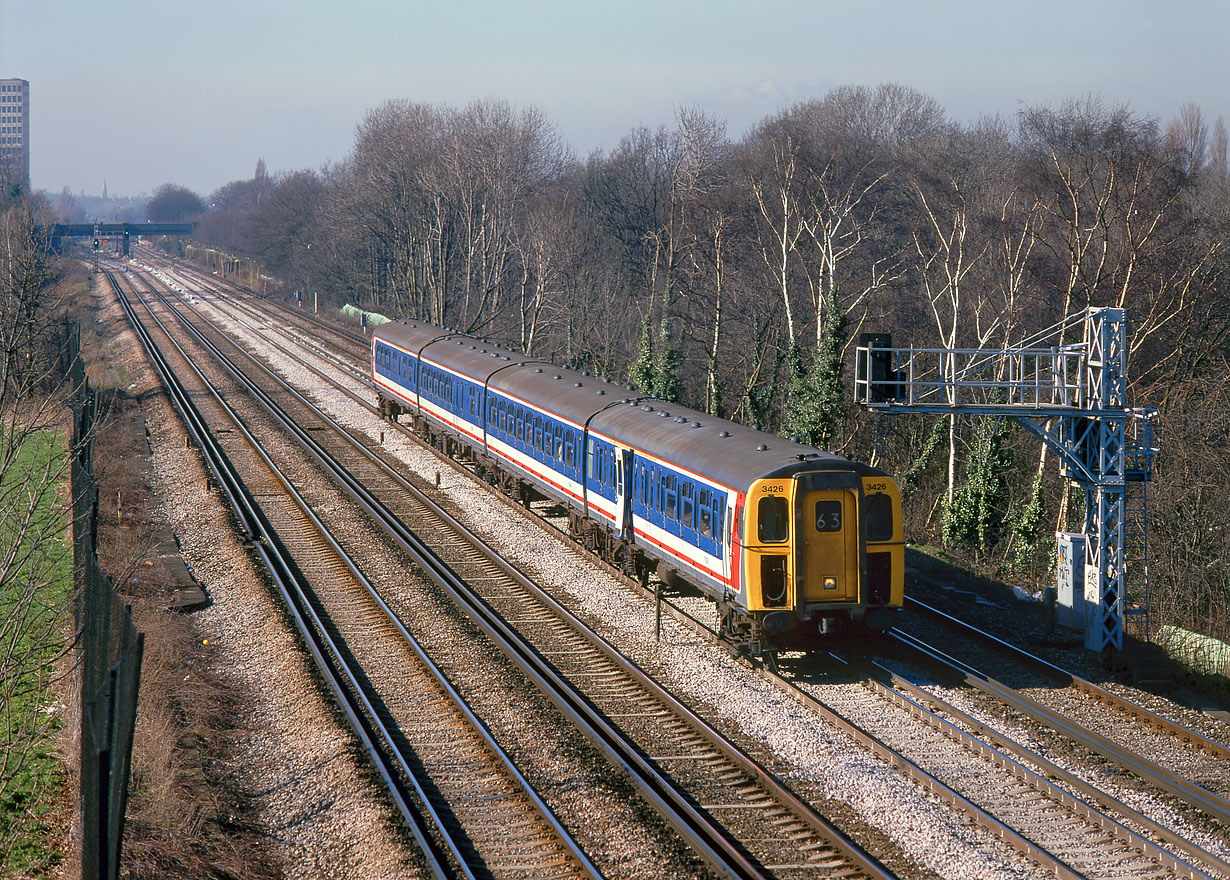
(788,541)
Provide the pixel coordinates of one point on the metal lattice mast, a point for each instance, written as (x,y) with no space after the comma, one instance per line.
(1105,382)
(1074,398)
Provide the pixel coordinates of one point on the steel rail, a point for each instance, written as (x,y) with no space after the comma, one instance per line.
(315,630)
(268,548)
(1186,734)
(919,698)
(477,724)
(707,837)
(1189,792)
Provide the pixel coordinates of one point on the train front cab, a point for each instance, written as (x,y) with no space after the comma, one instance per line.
(822,548)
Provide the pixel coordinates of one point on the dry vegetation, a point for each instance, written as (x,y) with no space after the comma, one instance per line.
(187,816)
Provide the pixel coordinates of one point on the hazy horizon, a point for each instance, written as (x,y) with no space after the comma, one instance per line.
(164,94)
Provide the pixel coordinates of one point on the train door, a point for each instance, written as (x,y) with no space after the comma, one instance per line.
(830,545)
(623,493)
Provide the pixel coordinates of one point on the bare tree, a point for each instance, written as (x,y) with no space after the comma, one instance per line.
(948,253)
(1188,138)
(1219,151)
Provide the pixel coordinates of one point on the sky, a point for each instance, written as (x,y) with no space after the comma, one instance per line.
(137,94)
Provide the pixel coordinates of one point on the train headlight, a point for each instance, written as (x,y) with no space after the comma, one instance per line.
(830,583)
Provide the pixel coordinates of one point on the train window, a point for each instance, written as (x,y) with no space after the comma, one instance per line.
(773,580)
(473,401)
(672,496)
(772,519)
(828,516)
(559,443)
(878,510)
(685,504)
(538,433)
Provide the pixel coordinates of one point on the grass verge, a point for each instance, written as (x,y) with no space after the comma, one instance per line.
(35,591)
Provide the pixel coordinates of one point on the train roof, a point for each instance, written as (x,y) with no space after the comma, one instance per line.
(724,451)
(414,335)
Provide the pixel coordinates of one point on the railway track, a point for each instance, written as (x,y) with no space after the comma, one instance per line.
(1146,851)
(468,807)
(1065,689)
(736,815)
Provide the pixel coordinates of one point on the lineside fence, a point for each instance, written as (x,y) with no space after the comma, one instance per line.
(109,655)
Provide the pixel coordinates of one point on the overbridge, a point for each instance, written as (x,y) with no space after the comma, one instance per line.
(61,231)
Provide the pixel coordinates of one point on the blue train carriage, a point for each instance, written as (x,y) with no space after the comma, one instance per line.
(394,364)
(430,374)
(537,417)
(483,403)
(789,541)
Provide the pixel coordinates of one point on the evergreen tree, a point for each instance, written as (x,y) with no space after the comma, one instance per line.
(666,364)
(641,372)
(975,516)
(815,394)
